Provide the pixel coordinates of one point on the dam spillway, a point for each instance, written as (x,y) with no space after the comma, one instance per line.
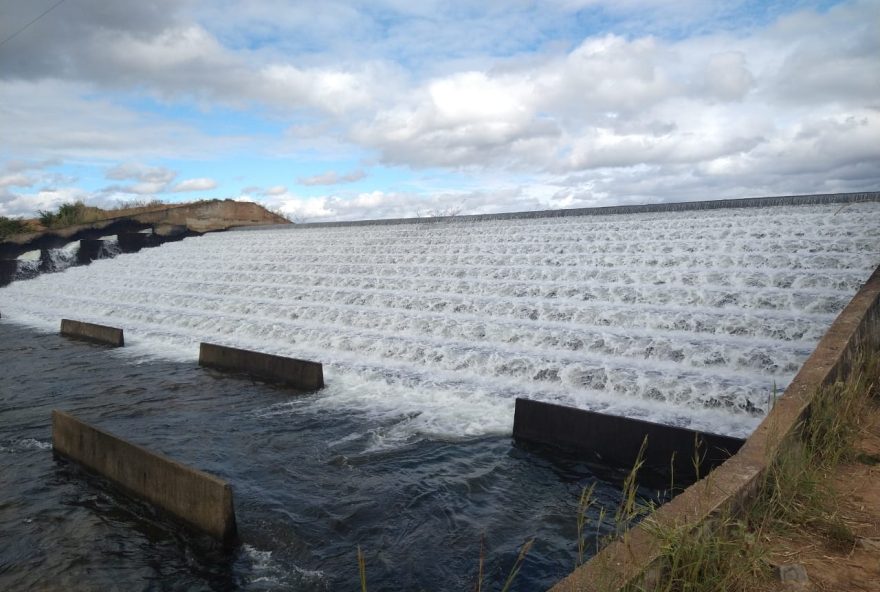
(428,333)
(690,318)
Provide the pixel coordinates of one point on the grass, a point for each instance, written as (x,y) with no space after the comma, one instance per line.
(77,212)
(10,226)
(796,494)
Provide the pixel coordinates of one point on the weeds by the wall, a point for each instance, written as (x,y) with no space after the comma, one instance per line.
(728,553)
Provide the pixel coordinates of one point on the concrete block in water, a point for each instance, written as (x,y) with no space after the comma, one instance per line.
(132,242)
(89,249)
(615,440)
(197,498)
(8,267)
(301,374)
(91,332)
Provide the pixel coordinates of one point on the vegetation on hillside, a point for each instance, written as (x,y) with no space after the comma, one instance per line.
(10,226)
(77,212)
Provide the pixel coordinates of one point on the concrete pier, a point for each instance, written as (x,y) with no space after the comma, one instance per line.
(89,249)
(8,267)
(301,374)
(616,440)
(91,332)
(132,242)
(199,499)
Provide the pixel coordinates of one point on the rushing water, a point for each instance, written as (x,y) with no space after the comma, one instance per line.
(310,486)
(428,333)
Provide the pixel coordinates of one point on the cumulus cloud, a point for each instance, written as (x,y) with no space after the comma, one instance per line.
(200,184)
(393,204)
(276,190)
(332,178)
(734,98)
(149,180)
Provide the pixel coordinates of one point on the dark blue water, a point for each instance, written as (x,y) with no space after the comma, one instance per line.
(306,492)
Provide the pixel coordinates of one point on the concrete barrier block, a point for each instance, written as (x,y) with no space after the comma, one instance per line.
(615,440)
(132,242)
(301,374)
(91,332)
(89,249)
(8,267)
(199,499)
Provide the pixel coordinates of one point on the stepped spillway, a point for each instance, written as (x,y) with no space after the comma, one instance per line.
(694,318)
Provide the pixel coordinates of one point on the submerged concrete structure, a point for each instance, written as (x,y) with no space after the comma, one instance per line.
(301,374)
(618,441)
(101,334)
(195,497)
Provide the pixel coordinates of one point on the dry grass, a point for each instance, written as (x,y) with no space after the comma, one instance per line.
(73,213)
(796,495)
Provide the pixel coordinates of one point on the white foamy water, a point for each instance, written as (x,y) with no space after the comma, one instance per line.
(690,318)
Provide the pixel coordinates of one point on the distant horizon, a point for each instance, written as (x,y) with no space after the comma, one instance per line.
(344,110)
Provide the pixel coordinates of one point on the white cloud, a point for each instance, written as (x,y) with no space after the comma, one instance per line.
(140,172)
(200,184)
(276,190)
(16,179)
(672,98)
(332,178)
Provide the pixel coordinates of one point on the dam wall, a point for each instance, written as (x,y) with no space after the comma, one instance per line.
(748,202)
(636,558)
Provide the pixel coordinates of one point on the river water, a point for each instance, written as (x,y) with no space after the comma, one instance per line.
(428,333)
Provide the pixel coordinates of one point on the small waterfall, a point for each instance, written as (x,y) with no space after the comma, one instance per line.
(28,265)
(110,248)
(55,260)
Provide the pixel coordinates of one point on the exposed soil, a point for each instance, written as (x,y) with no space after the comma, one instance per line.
(842,563)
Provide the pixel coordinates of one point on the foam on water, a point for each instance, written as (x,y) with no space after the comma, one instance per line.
(432,330)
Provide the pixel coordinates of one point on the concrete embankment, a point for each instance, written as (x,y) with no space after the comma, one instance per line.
(197,498)
(636,558)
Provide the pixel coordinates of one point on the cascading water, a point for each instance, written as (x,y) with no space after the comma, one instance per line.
(428,333)
(60,259)
(691,318)
(110,247)
(28,265)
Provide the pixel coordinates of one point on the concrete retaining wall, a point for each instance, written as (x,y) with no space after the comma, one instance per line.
(300,374)
(197,498)
(91,332)
(636,557)
(616,440)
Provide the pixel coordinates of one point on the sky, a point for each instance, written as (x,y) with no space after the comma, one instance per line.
(327,110)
